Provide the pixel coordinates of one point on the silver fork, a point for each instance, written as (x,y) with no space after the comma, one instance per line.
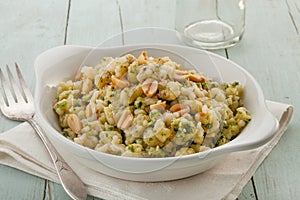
(16,107)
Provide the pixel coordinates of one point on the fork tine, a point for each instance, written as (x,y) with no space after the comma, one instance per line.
(14,85)
(2,102)
(9,97)
(26,90)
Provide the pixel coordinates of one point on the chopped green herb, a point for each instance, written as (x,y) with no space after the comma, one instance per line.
(61,104)
(65,133)
(130,148)
(208,126)
(234,84)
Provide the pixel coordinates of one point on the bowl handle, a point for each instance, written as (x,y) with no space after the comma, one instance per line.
(264,133)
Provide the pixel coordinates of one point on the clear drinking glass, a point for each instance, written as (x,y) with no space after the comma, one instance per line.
(210,24)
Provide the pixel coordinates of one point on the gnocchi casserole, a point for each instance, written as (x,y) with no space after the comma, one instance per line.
(148,107)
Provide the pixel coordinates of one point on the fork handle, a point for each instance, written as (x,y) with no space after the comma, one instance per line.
(68,178)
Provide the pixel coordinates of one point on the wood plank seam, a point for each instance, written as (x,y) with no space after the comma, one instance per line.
(45,189)
(121,20)
(67,22)
(226,53)
(292,17)
(254,188)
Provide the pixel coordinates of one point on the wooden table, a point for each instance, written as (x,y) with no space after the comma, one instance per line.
(270,50)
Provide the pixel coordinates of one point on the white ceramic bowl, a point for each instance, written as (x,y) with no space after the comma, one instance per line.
(62,63)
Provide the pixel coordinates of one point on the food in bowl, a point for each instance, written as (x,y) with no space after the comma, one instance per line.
(148,107)
(68,59)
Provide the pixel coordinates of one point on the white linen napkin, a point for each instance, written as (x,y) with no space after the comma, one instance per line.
(21,148)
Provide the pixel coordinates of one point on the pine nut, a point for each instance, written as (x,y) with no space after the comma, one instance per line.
(118,82)
(180,108)
(142,58)
(74,123)
(196,78)
(150,87)
(161,106)
(138,91)
(125,120)
(87,86)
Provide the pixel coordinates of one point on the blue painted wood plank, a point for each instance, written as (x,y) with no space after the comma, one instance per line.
(15,184)
(270,52)
(27,27)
